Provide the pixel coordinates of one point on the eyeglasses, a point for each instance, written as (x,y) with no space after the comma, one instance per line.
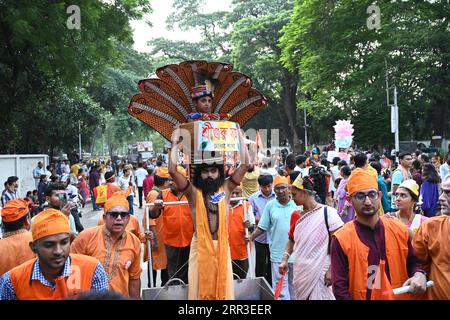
(280,188)
(446,191)
(361,196)
(115,214)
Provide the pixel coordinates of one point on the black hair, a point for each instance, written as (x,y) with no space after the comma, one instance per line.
(198,181)
(308,185)
(29,193)
(140,164)
(336,161)
(376,165)
(430,174)
(11,180)
(416,164)
(360,160)
(42,177)
(14,225)
(265,180)
(403,154)
(34,191)
(417,153)
(54,187)
(324,162)
(149,171)
(342,163)
(290,161)
(299,160)
(53,178)
(337,181)
(345,170)
(294,175)
(159,181)
(159,163)
(425,157)
(108,175)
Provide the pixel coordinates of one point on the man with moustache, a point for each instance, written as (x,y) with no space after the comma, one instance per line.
(432,243)
(54,274)
(210,272)
(276,222)
(118,250)
(371,244)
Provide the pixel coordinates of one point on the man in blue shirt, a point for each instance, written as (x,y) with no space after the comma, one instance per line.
(258,201)
(382,186)
(276,221)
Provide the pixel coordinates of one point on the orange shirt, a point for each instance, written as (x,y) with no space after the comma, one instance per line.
(15,250)
(177,221)
(121,260)
(236,232)
(432,244)
(82,270)
(159,256)
(133,226)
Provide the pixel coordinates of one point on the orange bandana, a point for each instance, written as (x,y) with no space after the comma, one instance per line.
(117,199)
(163,172)
(14,210)
(48,223)
(280,180)
(361,180)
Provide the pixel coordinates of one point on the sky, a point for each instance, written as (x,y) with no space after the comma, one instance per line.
(142,33)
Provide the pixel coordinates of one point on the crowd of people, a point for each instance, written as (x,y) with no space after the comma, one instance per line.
(320,229)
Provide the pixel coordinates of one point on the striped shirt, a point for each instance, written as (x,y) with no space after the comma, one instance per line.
(7,292)
(9,195)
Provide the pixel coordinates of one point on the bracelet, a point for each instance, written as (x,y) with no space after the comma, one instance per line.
(287,254)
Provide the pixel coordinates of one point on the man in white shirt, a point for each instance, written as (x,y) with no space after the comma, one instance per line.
(140,175)
(300,162)
(124,182)
(444,170)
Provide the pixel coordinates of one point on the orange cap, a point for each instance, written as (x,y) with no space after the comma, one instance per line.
(280,180)
(182,171)
(163,172)
(48,223)
(14,210)
(361,180)
(117,199)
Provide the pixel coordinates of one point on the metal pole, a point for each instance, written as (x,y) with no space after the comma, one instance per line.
(149,250)
(79,139)
(250,272)
(397,129)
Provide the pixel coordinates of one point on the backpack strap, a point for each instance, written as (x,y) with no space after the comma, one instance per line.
(325,213)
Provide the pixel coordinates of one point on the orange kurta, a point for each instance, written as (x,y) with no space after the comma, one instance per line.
(133,226)
(121,260)
(15,250)
(432,244)
(236,232)
(396,239)
(159,256)
(177,221)
(82,270)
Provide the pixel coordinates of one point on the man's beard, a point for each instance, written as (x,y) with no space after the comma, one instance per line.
(209,185)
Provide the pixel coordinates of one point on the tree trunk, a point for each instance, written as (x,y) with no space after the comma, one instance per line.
(289,84)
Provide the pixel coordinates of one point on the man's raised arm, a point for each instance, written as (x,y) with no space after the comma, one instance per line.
(180,181)
(239,173)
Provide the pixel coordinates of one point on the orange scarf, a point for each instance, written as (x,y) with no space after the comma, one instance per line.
(212,266)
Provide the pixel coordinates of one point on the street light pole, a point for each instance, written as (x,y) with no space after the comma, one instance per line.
(397,142)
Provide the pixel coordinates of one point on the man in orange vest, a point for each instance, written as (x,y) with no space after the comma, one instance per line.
(178,229)
(156,227)
(237,222)
(15,245)
(54,274)
(363,248)
(118,250)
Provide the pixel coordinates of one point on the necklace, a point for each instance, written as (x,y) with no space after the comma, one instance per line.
(211,209)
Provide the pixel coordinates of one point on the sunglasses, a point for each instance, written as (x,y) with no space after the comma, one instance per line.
(446,191)
(115,214)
